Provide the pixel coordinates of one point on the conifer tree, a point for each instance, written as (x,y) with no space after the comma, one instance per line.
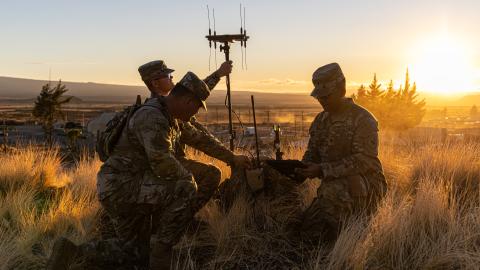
(393,109)
(361,96)
(48,107)
(374,92)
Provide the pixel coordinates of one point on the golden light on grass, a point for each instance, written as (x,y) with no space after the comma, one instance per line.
(430,218)
(443,65)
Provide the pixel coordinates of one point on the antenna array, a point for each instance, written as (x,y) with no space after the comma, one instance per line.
(225,41)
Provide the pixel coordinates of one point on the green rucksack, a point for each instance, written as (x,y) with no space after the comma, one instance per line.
(107,139)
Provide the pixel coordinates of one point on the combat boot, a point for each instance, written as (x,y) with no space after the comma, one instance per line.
(160,256)
(63,254)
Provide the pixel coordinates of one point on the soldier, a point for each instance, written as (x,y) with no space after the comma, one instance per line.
(157,77)
(143,186)
(343,152)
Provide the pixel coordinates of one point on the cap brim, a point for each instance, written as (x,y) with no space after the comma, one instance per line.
(318,93)
(314,92)
(167,70)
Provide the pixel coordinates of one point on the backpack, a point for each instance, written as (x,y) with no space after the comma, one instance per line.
(108,139)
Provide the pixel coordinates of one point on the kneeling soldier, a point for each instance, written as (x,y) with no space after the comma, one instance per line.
(343,152)
(142,186)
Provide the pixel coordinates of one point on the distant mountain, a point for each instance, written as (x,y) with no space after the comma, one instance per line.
(16,88)
(25,90)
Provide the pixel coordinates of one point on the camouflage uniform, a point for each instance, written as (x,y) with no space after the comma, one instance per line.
(207,176)
(346,147)
(211,81)
(146,190)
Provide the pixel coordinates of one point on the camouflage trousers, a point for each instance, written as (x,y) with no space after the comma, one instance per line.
(338,199)
(139,226)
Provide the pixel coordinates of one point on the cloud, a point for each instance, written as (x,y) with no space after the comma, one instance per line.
(288,81)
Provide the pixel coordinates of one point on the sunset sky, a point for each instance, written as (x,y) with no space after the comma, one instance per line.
(105,41)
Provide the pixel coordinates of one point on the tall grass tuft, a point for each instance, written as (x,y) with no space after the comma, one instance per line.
(41,200)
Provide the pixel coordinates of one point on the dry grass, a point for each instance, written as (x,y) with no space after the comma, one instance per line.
(430,218)
(40,201)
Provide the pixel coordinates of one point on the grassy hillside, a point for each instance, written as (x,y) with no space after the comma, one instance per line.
(430,218)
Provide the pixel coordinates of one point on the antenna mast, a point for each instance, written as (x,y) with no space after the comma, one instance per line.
(225,41)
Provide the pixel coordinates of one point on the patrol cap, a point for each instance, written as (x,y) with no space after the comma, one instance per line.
(326,80)
(198,87)
(153,70)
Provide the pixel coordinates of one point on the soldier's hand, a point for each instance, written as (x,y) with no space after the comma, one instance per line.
(312,170)
(242,161)
(224,69)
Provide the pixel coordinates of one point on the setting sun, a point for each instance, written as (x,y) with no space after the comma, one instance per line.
(443,65)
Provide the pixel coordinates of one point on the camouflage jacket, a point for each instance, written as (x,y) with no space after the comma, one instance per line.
(345,144)
(145,153)
(212,80)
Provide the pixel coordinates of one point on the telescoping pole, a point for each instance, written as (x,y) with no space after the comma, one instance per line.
(226,50)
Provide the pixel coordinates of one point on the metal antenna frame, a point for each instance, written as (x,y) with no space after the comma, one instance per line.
(225,41)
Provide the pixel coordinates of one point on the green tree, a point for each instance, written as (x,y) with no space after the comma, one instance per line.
(390,101)
(390,93)
(412,110)
(361,96)
(393,109)
(374,92)
(48,107)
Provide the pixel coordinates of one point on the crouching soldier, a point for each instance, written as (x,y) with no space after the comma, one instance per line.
(143,186)
(343,152)
(158,78)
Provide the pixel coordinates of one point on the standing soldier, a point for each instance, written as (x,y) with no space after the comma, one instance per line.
(149,195)
(343,152)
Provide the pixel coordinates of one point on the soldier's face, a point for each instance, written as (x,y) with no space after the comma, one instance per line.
(164,84)
(191,107)
(332,102)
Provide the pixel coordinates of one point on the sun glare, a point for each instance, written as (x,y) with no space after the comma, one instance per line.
(443,65)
